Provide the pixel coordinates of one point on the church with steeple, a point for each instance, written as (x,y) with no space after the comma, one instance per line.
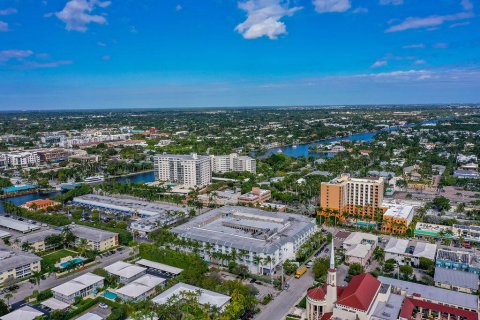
(353,301)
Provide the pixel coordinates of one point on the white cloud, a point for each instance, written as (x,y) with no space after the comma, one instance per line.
(263,18)
(77,14)
(323,6)
(427,22)
(414,46)
(42,65)
(7,55)
(460,24)
(419,61)
(3,26)
(379,63)
(8,11)
(391,2)
(178,8)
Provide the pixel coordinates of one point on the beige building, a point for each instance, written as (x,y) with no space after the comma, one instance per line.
(99,240)
(188,170)
(345,196)
(17,265)
(36,241)
(359,247)
(232,162)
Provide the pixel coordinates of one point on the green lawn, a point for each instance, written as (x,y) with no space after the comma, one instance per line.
(55,256)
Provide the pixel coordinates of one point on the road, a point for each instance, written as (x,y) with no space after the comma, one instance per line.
(278,308)
(26,288)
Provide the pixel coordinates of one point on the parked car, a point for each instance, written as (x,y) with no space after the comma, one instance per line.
(103,305)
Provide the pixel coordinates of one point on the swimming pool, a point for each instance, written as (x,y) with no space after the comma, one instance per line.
(72,262)
(109,295)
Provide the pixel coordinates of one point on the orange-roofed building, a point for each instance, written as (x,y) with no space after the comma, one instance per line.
(39,204)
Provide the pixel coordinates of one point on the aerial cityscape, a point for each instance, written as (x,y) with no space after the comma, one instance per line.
(250,159)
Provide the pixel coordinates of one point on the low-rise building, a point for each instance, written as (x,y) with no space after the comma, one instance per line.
(359,247)
(22,159)
(158,268)
(40,204)
(17,225)
(468,233)
(409,252)
(430,230)
(422,301)
(205,297)
(257,195)
(126,272)
(140,289)
(98,240)
(17,265)
(168,213)
(23,313)
(220,198)
(253,233)
(456,280)
(397,218)
(36,241)
(81,286)
(53,155)
(458,259)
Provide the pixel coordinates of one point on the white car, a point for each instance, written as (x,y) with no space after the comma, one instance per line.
(103,306)
(309,264)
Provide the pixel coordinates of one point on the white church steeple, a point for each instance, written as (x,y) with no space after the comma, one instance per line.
(331,295)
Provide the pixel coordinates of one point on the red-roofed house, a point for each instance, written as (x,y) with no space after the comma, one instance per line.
(419,309)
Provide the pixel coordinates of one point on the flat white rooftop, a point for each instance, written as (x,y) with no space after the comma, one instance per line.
(73,286)
(55,304)
(140,286)
(17,225)
(398,211)
(89,316)
(125,269)
(206,296)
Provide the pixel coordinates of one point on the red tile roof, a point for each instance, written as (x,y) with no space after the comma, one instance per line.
(327,316)
(409,304)
(316,293)
(360,292)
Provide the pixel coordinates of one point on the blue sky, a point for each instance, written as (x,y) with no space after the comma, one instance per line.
(70,54)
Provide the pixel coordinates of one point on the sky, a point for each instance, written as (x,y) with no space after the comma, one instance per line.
(92,54)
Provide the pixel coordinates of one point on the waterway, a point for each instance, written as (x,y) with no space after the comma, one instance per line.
(305,149)
(19,200)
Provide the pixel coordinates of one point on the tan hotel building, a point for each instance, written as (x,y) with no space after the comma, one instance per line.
(352,195)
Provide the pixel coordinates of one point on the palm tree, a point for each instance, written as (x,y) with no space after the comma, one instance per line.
(258,261)
(8,296)
(83,247)
(37,277)
(268,260)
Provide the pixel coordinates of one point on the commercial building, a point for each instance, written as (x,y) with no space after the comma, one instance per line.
(53,155)
(99,240)
(220,198)
(351,195)
(468,233)
(430,230)
(456,280)
(458,259)
(40,204)
(408,252)
(252,233)
(23,313)
(140,289)
(22,159)
(232,162)
(257,195)
(397,218)
(17,225)
(205,297)
(189,170)
(36,240)
(3,162)
(359,247)
(166,213)
(17,265)
(126,272)
(81,286)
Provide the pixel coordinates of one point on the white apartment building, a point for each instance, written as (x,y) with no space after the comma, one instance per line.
(188,170)
(233,162)
(22,159)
